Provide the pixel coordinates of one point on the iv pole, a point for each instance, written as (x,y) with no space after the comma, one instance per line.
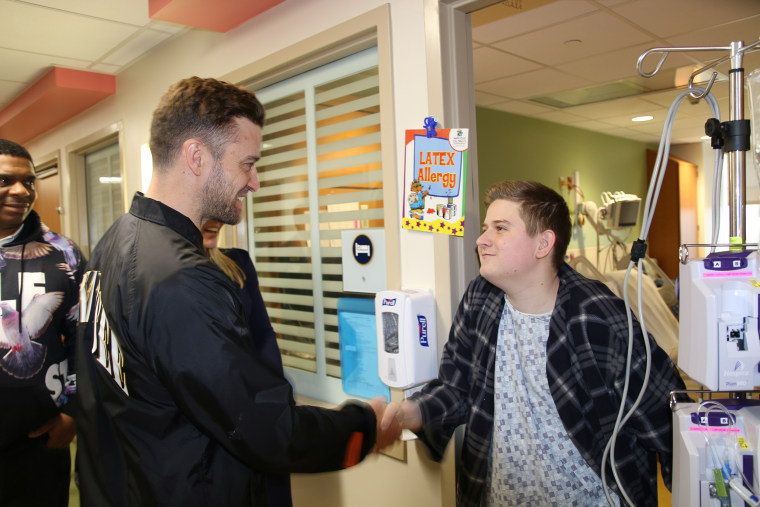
(734,135)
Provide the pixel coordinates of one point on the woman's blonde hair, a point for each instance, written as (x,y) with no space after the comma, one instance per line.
(230,267)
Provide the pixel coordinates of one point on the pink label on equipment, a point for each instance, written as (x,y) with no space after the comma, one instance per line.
(723,274)
(715,429)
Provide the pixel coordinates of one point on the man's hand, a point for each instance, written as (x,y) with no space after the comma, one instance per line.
(61,430)
(406,415)
(388,434)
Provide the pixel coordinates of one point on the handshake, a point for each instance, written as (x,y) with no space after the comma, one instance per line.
(392,418)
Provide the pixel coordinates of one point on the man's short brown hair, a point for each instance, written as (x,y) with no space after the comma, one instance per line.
(199,108)
(541,208)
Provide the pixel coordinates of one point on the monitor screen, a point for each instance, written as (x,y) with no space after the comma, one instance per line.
(629,213)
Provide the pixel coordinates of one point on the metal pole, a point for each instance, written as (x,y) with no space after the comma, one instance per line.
(737,198)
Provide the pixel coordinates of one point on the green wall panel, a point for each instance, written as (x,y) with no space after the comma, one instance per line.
(517,147)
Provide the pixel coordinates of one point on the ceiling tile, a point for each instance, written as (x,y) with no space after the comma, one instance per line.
(600,32)
(598,126)
(531,20)
(165,26)
(492,64)
(672,17)
(627,134)
(746,30)
(484,99)
(105,68)
(8,91)
(533,84)
(519,107)
(135,47)
(47,31)
(626,122)
(560,116)
(25,67)
(612,3)
(626,107)
(131,11)
(619,64)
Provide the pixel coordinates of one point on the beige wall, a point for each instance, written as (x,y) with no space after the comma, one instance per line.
(380,480)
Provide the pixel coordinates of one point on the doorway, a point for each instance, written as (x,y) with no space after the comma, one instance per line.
(48,205)
(675,216)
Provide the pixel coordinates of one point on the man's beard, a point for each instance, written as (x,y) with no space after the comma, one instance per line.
(216,205)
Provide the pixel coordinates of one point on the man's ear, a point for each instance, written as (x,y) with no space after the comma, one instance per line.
(545,243)
(193,153)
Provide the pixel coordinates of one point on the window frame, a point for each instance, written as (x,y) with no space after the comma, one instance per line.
(317,385)
(74,179)
(365,31)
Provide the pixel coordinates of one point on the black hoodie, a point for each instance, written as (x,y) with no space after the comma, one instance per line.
(40,272)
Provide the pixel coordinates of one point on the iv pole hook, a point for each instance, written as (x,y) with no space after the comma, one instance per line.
(640,67)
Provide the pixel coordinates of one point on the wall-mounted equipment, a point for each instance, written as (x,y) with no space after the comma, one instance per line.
(407,349)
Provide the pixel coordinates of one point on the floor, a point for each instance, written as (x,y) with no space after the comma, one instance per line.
(73,491)
(663,495)
(662,492)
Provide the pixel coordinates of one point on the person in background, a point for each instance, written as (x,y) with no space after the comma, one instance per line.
(237,265)
(40,272)
(535,368)
(175,406)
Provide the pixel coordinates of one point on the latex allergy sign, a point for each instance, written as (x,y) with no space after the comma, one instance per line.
(438,158)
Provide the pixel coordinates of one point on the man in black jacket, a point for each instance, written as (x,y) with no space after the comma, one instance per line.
(39,290)
(176,407)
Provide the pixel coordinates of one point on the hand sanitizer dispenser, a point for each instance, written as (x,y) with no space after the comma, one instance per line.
(407,350)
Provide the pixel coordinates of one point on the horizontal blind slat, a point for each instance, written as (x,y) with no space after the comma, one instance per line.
(355,87)
(294,331)
(267,175)
(364,121)
(360,214)
(294,103)
(282,252)
(349,143)
(297,362)
(286,313)
(285,283)
(276,297)
(351,179)
(289,187)
(369,102)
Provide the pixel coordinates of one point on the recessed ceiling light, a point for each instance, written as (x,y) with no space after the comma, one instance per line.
(573,42)
(642,118)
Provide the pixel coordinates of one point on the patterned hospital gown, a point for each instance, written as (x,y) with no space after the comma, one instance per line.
(533,461)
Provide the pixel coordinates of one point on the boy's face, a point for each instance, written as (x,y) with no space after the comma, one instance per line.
(506,250)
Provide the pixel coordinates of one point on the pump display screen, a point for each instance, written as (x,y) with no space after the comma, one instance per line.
(390,332)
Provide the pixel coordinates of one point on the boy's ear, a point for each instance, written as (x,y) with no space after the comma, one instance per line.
(545,243)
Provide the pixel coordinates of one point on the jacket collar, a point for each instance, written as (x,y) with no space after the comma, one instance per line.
(159,213)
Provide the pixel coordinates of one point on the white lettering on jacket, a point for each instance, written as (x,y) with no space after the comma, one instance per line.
(105,344)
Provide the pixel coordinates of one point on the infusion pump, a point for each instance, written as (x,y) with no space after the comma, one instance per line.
(715,453)
(718,343)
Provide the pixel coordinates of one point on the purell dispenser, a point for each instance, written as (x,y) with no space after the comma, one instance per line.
(407,350)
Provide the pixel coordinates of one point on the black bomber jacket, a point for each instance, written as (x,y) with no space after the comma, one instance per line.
(175,406)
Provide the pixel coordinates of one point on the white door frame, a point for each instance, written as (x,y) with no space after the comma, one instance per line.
(451,97)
